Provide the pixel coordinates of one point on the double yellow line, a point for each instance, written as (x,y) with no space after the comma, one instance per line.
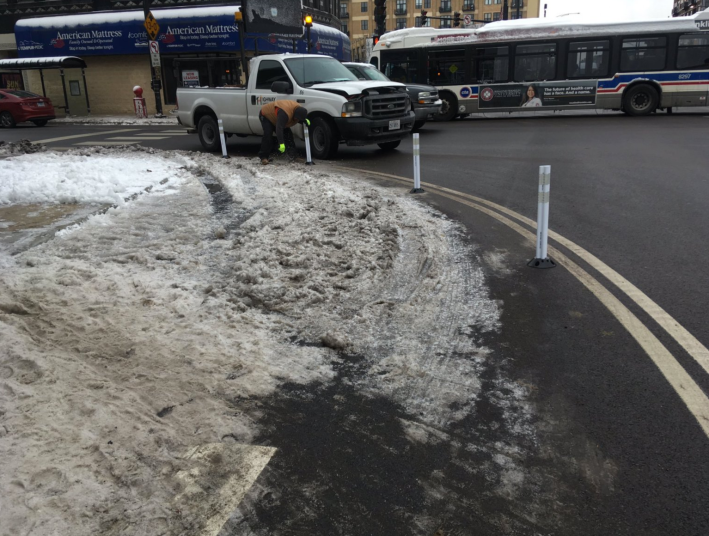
(688,390)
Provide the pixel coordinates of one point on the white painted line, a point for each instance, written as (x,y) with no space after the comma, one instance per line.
(107,143)
(100,133)
(240,464)
(142,138)
(692,395)
(174,132)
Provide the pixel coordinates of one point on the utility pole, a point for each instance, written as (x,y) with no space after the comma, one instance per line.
(506,10)
(519,5)
(155,82)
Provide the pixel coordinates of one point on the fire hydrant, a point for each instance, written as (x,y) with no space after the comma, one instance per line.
(141,110)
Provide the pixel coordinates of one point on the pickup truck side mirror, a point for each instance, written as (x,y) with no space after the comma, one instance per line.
(282,87)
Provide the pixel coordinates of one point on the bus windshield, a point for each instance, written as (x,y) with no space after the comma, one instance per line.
(309,71)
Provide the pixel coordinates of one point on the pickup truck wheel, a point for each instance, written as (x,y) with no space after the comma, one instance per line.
(390,145)
(208,132)
(323,141)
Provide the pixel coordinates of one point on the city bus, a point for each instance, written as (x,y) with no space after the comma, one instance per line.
(555,64)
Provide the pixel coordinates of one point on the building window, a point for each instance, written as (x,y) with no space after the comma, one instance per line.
(498,1)
(400,7)
(343,10)
(535,62)
(364,7)
(400,24)
(469,5)
(487,17)
(496,16)
(427,4)
(446,6)
(644,54)
(345,30)
(364,25)
(588,60)
(418,4)
(445,22)
(488,2)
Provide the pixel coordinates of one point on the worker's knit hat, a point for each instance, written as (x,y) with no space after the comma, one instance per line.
(300,114)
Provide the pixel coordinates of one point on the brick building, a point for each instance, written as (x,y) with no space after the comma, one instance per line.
(358,16)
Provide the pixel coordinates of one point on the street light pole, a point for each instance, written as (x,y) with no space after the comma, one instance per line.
(155,82)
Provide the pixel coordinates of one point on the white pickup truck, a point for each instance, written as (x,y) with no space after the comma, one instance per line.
(341,108)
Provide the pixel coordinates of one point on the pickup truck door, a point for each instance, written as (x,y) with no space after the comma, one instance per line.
(269,71)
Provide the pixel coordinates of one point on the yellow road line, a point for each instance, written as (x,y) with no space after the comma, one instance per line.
(690,393)
(101,133)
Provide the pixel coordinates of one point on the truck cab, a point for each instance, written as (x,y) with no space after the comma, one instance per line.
(341,108)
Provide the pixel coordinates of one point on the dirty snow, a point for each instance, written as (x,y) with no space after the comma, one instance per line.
(131,339)
(119,120)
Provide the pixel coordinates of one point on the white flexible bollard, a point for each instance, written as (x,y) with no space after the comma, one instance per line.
(221,136)
(541,259)
(308,160)
(417,166)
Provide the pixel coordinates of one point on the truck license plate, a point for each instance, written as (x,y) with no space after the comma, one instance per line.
(395,125)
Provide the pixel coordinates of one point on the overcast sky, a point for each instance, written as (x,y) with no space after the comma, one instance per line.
(610,9)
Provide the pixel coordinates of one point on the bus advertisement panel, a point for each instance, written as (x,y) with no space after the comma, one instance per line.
(538,94)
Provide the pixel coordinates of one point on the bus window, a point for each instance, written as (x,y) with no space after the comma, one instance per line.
(374,61)
(535,62)
(493,64)
(446,67)
(644,54)
(401,66)
(588,60)
(693,52)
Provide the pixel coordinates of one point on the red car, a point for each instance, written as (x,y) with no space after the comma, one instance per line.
(17,106)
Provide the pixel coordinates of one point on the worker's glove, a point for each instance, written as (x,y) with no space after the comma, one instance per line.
(282,148)
(307,122)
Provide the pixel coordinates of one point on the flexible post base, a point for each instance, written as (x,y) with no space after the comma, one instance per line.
(226,156)
(417,191)
(310,163)
(541,263)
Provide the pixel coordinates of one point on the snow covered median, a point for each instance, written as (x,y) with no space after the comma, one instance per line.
(133,340)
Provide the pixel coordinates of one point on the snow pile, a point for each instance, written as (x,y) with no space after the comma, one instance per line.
(76,178)
(20,147)
(152,330)
(118,120)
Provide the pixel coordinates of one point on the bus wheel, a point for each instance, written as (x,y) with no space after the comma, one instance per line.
(640,100)
(449,109)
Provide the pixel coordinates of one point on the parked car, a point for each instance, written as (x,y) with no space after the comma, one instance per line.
(341,108)
(18,106)
(424,99)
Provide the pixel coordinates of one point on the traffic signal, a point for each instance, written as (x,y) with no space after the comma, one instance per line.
(308,21)
(424,17)
(380,15)
(456,19)
(375,40)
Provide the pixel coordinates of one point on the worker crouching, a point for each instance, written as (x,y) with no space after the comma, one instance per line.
(280,116)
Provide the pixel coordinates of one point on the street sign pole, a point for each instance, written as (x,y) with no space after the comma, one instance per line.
(152,28)
(239,20)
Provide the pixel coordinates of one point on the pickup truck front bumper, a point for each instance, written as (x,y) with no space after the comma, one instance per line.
(359,131)
(425,112)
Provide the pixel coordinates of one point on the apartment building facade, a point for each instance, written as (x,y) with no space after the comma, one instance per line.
(685,8)
(357,16)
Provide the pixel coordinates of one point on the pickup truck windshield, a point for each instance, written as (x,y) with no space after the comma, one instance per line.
(373,74)
(309,71)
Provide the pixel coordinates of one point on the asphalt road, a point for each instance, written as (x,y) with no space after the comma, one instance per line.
(618,450)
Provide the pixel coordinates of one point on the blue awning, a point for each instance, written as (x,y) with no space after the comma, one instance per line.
(185,30)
